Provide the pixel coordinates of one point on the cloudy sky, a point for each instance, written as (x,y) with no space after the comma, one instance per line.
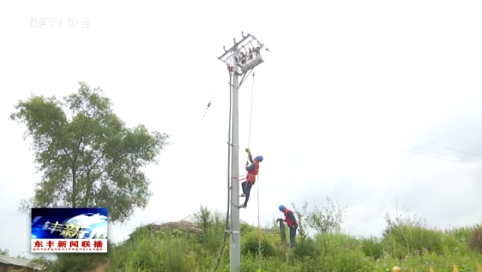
(364,102)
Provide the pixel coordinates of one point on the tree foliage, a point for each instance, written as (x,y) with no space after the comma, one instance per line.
(321,219)
(327,218)
(87,155)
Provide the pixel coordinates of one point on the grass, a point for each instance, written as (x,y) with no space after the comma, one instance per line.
(406,242)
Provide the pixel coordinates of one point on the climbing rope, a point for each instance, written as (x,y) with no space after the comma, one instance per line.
(250,115)
(249,142)
(259,230)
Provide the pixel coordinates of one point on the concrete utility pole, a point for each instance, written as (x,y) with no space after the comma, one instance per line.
(240,59)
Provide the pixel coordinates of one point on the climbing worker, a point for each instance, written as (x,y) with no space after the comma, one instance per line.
(250,177)
(291,222)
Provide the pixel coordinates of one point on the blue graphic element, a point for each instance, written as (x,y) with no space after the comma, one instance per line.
(69,223)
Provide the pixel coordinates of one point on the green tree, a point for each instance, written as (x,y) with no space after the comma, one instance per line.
(4,252)
(87,155)
(328,218)
(302,220)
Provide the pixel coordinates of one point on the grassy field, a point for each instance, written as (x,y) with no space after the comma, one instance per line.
(406,242)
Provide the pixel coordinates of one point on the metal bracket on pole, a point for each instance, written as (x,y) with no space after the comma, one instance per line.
(230,231)
(245,76)
(232,144)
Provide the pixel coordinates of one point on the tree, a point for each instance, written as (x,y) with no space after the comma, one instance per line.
(328,218)
(89,158)
(302,220)
(4,252)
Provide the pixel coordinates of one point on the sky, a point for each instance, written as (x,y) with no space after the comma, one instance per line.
(374,104)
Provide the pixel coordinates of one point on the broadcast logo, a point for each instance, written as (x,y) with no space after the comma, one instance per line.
(69,230)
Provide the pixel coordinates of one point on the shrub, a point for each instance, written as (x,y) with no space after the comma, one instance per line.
(250,245)
(339,252)
(475,242)
(372,247)
(306,248)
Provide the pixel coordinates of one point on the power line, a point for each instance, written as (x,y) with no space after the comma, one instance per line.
(461,160)
(424,148)
(432,141)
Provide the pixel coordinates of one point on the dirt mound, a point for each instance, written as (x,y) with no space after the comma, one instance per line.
(184,226)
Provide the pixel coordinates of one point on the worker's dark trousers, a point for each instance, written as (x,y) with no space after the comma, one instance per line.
(293,235)
(246,186)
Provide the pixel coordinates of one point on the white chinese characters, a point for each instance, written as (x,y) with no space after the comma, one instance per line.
(57,23)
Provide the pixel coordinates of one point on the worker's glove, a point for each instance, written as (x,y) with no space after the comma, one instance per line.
(247,150)
(247,163)
(279,219)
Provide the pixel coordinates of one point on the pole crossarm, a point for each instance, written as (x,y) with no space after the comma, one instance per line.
(248,57)
(235,46)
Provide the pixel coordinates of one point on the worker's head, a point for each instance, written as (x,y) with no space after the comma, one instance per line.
(282,208)
(259,158)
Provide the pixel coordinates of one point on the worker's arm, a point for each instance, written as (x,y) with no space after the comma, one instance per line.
(250,167)
(250,157)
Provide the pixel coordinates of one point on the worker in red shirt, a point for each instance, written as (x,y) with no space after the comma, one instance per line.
(250,177)
(291,222)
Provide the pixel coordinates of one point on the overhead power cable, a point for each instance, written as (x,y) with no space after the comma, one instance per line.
(460,160)
(432,141)
(457,158)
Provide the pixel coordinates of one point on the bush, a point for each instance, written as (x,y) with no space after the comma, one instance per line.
(403,240)
(339,252)
(156,253)
(475,242)
(406,234)
(250,245)
(372,247)
(75,262)
(462,234)
(306,248)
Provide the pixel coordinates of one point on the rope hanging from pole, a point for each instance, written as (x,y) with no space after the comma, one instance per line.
(259,230)
(249,143)
(250,116)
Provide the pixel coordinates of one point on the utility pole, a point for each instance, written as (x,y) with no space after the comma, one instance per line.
(241,58)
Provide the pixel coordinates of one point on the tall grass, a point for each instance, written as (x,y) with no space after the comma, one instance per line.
(407,242)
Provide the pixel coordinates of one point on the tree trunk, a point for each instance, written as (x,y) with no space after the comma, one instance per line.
(88,189)
(74,177)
